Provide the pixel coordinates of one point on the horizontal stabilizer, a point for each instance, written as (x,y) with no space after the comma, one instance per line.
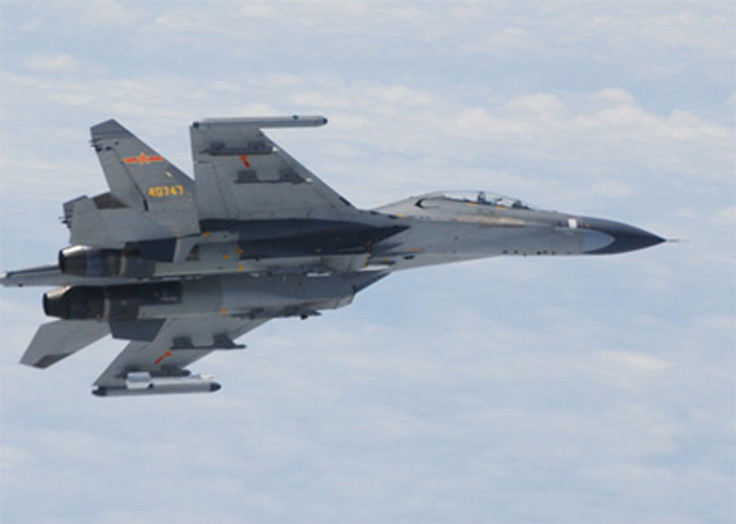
(34,276)
(57,340)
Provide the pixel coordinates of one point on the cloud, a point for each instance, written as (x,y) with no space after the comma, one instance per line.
(52,63)
(636,363)
(724,217)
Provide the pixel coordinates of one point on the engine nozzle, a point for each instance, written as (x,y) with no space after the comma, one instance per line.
(85,261)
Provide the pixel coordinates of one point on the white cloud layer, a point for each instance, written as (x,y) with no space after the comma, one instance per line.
(590,389)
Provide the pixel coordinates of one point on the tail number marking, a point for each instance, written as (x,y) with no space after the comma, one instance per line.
(165,191)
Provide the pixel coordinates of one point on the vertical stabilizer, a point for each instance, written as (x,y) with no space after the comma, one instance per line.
(142,180)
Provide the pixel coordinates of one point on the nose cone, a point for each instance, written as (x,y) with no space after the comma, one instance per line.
(623,237)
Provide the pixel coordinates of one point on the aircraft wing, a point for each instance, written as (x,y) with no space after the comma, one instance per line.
(241,174)
(157,366)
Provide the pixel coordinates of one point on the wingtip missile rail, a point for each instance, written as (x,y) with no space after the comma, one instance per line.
(266,122)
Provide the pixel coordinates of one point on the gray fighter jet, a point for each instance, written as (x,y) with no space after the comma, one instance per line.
(181,267)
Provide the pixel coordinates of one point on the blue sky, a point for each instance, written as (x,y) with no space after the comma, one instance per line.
(579,389)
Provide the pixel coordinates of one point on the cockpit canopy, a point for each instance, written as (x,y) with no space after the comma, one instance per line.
(451,201)
(486,198)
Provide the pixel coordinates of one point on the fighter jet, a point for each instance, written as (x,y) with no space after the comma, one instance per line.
(182,267)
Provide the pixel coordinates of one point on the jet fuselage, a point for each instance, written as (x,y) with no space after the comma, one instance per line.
(182,267)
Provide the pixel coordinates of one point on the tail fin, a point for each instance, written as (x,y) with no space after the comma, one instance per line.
(59,339)
(143,181)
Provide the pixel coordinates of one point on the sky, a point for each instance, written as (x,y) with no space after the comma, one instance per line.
(588,389)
